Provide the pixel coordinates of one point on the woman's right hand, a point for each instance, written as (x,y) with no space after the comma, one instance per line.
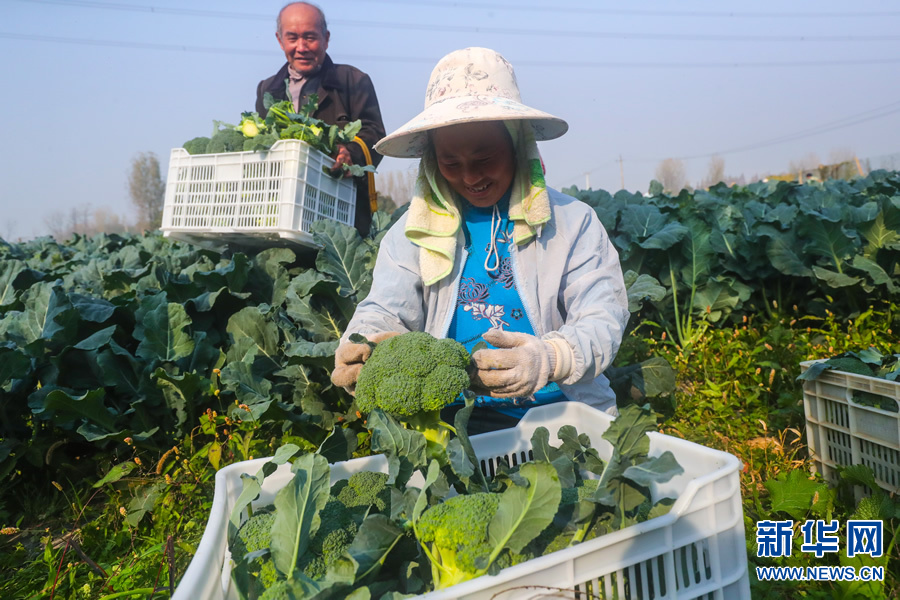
(349,360)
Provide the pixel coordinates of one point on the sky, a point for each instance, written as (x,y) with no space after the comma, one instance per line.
(88,85)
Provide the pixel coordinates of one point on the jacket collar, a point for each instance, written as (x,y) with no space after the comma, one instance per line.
(327,74)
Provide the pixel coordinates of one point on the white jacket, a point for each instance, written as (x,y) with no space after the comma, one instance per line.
(568,277)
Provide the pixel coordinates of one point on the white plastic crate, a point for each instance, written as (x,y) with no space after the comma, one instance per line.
(697,550)
(252,196)
(842,432)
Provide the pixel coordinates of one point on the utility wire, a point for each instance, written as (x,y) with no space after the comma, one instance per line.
(539,32)
(868,115)
(510,7)
(550,7)
(433,60)
(138,45)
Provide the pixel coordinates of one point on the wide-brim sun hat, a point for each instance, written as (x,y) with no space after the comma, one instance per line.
(466,86)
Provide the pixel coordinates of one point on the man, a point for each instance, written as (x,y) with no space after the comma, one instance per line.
(345,93)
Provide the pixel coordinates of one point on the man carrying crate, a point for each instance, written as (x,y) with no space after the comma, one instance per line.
(345,94)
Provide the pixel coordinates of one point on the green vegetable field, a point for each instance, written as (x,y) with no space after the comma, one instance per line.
(133,368)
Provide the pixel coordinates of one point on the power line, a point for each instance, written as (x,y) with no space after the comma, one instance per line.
(646,13)
(868,115)
(673,37)
(516,8)
(137,45)
(433,60)
(158,10)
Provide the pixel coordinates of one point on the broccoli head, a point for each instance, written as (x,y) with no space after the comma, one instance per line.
(282,590)
(197,145)
(454,535)
(254,535)
(335,534)
(259,143)
(226,140)
(413,376)
(366,489)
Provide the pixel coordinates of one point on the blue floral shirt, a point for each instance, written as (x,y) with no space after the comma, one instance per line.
(488,298)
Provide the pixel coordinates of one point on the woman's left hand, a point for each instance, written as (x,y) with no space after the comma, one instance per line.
(520,366)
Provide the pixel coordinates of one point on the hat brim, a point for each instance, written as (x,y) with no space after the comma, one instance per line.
(411,139)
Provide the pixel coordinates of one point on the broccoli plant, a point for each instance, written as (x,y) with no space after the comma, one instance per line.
(251,125)
(315,538)
(367,490)
(197,145)
(336,532)
(375,531)
(250,549)
(225,140)
(411,377)
(254,134)
(453,535)
(464,536)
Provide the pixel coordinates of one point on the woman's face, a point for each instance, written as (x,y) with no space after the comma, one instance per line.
(476,159)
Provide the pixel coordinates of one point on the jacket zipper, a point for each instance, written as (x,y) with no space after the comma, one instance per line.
(453,296)
(514,256)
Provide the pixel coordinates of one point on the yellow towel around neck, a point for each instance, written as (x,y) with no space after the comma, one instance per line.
(435,213)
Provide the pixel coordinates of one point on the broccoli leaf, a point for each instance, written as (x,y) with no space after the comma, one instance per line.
(578,449)
(460,452)
(434,470)
(813,372)
(543,451)
(351,130)
(404,448)
(163,331)
(525,511)
(297,508)
(344,256)
(627,432)
(355,170)
(268,100)
(659,469)
(251,487)
(376,537)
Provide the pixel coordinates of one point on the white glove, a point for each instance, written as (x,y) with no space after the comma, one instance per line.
(520,366)
(349,359)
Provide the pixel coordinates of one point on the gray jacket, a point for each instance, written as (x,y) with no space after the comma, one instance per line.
(568,277)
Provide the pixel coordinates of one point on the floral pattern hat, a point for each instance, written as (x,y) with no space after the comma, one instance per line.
(472,84)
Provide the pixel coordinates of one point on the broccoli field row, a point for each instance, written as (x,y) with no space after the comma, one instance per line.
(143,366)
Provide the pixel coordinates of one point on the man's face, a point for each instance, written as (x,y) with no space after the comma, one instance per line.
(302,40)
(476,159)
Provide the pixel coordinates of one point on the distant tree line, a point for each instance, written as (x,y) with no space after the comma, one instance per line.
(146,191)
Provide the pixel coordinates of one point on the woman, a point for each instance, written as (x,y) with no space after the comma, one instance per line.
(488,252)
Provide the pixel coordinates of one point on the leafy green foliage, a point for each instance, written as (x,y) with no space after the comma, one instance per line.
(254,134)
(314,537)
(69,314)
(114,338)
(566,495)
(797,495)
(737,391)
(727,251)
(869,363)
